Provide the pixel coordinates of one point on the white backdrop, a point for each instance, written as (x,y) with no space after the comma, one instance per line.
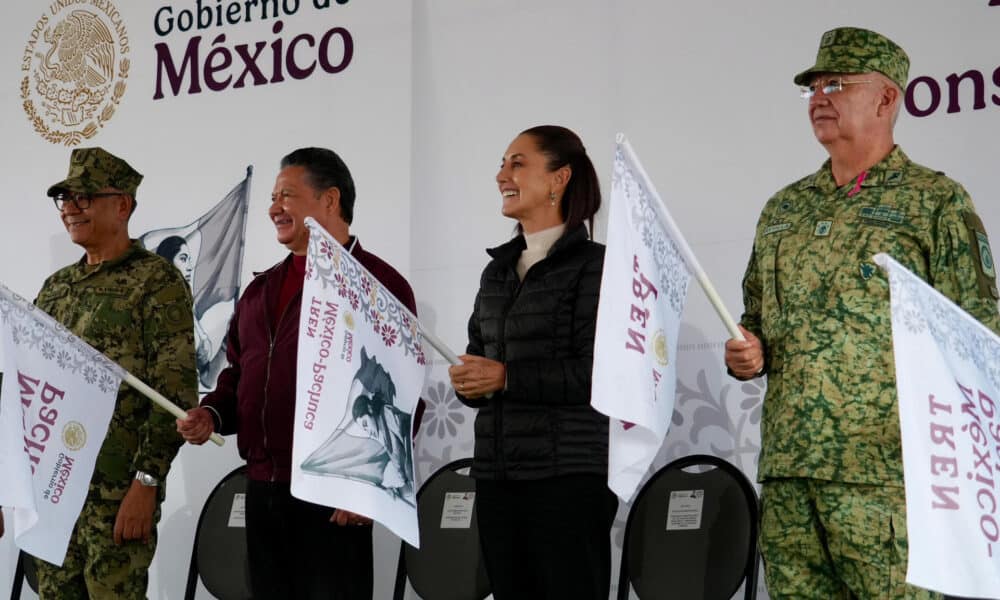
(435,92)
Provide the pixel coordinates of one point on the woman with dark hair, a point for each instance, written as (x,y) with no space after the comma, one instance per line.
(176,250)
(543,505)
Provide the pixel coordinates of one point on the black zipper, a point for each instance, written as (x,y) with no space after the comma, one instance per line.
(497,404)
(272,335)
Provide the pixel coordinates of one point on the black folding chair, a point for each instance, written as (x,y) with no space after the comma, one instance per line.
(705,547)
(25,571)
(219,555)
(449,564)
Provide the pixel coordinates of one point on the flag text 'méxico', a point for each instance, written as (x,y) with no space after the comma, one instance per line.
(943,467)
(327,318)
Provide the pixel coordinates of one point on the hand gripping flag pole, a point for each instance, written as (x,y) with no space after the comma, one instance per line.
(161,401)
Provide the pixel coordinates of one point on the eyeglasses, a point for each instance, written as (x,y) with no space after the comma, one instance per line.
(81,201)
(829,85)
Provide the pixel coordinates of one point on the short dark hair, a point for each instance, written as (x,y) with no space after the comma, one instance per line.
(325,169)
(170,246)
(582,198)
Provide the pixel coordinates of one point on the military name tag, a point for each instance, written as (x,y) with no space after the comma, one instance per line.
(776,228)
(882,216)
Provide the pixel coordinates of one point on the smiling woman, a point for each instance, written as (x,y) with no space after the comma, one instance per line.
(544,510)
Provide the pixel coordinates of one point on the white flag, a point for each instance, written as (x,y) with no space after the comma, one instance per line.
(55,406)
(643,290)
(948,380)
(360,373)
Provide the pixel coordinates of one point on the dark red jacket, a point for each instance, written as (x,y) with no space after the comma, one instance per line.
(254,396)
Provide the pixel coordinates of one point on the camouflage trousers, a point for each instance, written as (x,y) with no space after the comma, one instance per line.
(824,539)
(95,567)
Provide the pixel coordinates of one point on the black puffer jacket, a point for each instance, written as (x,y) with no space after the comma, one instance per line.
(542,329)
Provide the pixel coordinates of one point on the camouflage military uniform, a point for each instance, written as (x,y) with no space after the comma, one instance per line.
(136,309)
(833,511)
(821,308)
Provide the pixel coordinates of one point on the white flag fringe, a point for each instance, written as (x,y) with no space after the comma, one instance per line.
(643,291)
(56,403)
(948,382)
(360,374)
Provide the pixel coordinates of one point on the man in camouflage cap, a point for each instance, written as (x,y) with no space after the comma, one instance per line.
(817,323)
(93,169)
(136,308)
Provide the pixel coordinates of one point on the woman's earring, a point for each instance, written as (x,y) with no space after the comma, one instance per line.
(552,198)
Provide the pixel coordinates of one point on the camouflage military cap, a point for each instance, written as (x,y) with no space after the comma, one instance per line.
(92,169)
(853,50)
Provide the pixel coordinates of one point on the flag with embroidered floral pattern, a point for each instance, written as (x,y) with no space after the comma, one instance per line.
(57,398)
(948,386)
(360,373)
(643,291)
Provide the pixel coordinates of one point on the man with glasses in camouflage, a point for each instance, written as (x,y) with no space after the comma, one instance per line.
(817,323)
(136,308)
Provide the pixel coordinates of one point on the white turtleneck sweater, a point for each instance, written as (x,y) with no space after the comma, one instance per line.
(538,246)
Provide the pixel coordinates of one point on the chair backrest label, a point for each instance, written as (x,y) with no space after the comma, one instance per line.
(238,513)
(457,510)
(684,510)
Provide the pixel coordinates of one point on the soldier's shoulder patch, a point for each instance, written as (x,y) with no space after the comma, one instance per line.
(823,228)
(979,245)
(174,317)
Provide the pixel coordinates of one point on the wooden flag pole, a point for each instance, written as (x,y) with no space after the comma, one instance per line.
(161,401)
(686,253)
(440,346)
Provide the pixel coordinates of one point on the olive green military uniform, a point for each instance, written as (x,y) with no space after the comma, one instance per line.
(833,521)
(137,310)
(821,306)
